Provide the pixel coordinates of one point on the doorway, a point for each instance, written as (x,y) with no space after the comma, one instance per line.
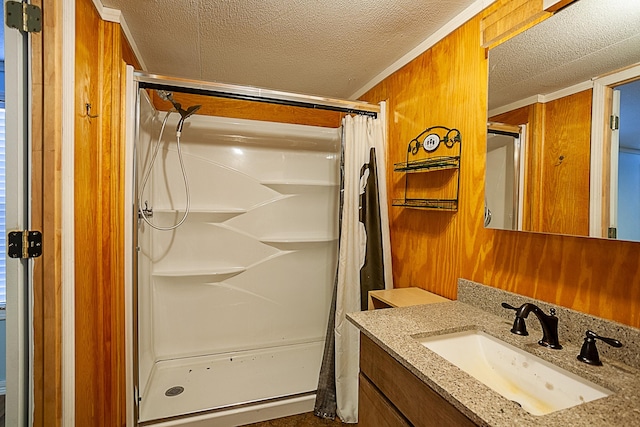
(627,218)
(615,156)
(503,180)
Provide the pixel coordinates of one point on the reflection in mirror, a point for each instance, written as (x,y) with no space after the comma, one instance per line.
(628,185)
(558,79)
(502,178)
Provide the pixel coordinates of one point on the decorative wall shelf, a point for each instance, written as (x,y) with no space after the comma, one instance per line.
(430,164)
(428,204)
(441,148)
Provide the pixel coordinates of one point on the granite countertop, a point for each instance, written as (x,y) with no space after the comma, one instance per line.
(396,330)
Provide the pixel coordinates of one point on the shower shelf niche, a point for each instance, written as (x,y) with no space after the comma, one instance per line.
(440,154)
(204,215)
(292,187)
(204,276)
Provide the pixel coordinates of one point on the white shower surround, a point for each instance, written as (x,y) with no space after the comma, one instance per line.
(233,305)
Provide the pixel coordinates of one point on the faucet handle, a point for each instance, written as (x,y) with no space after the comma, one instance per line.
(589,351)
(519,326)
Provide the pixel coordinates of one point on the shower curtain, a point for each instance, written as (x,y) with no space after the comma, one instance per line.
(364,261)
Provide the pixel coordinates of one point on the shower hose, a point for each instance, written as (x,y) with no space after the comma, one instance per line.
(148,173)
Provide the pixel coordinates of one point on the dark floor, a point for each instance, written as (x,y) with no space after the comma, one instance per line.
(302,420)
(2,411)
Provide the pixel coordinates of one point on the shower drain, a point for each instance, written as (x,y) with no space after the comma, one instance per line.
(174,391)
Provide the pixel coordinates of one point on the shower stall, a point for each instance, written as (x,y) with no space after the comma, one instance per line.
(229,309)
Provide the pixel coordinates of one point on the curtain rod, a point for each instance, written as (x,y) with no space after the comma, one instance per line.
(249,93)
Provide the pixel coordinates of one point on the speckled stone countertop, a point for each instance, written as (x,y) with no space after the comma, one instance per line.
(396,330)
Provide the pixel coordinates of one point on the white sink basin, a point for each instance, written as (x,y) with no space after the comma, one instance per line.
(535,384)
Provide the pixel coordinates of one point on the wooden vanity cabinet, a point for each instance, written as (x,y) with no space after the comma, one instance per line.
(390,395)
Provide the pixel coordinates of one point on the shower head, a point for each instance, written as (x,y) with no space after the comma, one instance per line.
(184,114)
(189,111)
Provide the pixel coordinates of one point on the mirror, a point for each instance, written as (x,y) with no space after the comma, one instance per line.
(548,82)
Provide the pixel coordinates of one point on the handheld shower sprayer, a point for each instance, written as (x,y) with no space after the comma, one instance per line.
(184,114)
(145,213)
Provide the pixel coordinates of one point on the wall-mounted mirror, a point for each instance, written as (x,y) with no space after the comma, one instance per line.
(562,81)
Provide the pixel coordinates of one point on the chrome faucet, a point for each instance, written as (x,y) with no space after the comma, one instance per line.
(549,323)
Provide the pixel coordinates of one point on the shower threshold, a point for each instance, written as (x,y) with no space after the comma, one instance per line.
(220,382)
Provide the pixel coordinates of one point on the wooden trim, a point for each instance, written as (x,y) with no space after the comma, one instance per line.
(46,215)
(559,4)
(606,163)
(510,18)
(46,196)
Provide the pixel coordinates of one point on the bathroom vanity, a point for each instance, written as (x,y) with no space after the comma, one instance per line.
(404,383)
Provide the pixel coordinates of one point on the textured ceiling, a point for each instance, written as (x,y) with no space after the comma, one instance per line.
(587,39)
(331,48)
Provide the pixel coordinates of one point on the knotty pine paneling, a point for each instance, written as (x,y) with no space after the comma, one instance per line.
(448,85)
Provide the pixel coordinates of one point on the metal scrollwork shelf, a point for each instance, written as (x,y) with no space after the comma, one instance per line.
(441,152)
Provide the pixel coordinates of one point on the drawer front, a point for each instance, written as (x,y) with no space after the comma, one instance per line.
(375,410)
(417,402)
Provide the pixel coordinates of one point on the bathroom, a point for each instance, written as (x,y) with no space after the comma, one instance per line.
(430,250)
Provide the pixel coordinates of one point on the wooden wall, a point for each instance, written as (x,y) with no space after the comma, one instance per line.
(558,162)
(447,85)
(239,109)
(99,221)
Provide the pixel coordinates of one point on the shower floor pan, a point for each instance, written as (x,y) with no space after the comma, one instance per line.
(204,383)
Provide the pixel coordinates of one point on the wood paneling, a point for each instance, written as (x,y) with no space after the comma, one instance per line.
(128,55)
(431,249)
(46,139)
(566,158)
(509,18)
(239,109)
(99,222)
(426,244)
(556,198)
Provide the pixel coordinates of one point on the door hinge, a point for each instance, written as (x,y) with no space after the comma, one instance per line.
(23,16)
(614,122)
(612,233)
(24,244)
